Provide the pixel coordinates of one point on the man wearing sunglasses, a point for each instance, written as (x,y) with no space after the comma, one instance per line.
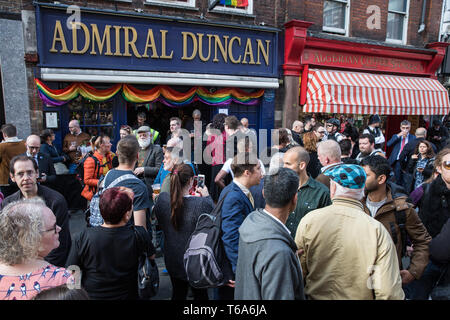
(332,127)
(24,171)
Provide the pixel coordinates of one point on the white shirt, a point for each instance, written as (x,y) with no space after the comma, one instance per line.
(277,220)
(378,140)
(227,167)
(374,206)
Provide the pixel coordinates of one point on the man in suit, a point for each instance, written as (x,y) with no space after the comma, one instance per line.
(47,173)
(149,159)
(409,148)
(238,203)
(399,141)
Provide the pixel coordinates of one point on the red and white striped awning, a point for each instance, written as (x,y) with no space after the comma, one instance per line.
(363,93)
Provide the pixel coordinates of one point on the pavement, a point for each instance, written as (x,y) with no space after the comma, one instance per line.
(78,223)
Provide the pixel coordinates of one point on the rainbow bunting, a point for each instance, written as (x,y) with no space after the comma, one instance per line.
(235,3)
(164,94)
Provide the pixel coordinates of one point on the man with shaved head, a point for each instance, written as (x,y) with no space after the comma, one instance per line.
(312,194)
(329,154)
(47,173)
(72,141)
(297,131)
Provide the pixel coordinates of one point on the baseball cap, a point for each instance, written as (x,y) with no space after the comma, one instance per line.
(349,176)
(143,129)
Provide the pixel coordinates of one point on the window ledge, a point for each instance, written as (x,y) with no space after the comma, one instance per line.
(234,13)
(173,6)
(395,41)
(334,30)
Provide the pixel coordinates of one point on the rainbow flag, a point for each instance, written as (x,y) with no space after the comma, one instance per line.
(235,3)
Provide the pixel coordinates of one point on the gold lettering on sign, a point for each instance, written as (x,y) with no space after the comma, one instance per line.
(200,47)
(230,50)
(248,52)
(223,48)
(131,43)
(117,53)
(58,36)
(265,52)
(150,45)
(163,45)
(87,38)
(96,39)
(194,45)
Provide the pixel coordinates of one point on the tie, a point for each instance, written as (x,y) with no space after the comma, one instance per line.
(403,144)
(250,197)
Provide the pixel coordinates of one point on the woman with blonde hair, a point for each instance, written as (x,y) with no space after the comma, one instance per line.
(310,141)
(28,232)
(97,165)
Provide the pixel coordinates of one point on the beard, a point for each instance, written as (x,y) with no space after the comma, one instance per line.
(144,143)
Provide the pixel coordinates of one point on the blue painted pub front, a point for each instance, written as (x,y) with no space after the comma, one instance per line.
(103,48)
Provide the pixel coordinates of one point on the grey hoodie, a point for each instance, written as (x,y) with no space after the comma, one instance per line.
(268,267)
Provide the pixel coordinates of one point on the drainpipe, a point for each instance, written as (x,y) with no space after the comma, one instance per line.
(422,19)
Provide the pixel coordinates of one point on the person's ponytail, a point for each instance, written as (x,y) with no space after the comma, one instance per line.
(181,174)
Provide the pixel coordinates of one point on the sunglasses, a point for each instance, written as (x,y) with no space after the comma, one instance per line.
(446,164)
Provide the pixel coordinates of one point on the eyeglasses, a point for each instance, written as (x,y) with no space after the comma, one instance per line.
(29,173)
(52,229)
(329,125)
(33,148)
(446,165)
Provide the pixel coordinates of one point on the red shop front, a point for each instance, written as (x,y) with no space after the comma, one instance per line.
(360,78)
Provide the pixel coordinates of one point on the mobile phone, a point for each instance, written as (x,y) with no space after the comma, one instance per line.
(201,180)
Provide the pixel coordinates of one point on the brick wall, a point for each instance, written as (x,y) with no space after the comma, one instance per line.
(313,12)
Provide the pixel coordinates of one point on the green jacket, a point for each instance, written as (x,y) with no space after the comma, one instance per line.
(311,196)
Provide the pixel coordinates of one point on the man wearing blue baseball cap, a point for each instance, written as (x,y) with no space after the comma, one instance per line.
(347,255)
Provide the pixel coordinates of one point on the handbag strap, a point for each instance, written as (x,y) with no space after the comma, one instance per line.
(442,275)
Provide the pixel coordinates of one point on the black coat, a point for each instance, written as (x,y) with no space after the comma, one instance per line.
(434,206)
(441,132)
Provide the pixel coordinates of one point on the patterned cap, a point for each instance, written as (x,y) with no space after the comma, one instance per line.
(349,176)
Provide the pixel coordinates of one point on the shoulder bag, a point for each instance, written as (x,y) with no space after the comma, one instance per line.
(148,273)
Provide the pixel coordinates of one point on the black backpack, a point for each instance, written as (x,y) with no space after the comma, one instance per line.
(204,259)
(80,167)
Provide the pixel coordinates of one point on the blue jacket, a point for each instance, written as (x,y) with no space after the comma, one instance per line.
(397,143)
(235,209)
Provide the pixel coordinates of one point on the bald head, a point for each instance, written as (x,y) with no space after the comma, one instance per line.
(33,144)
(297,159)
(328,152)
(300,154)
(244,122)
(74,127)
(421,132)
(298,126)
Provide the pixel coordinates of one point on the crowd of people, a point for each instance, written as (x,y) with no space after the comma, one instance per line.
(321,213)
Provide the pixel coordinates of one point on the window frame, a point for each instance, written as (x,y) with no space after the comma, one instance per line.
(405,14)
(187,4)
(222,9)
(344,31)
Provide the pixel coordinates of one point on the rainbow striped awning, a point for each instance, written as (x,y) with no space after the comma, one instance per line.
(333,91)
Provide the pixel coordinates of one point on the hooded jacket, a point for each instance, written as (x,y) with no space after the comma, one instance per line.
(416,231)
(268,267)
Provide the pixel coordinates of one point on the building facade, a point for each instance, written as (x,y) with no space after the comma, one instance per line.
(395,25)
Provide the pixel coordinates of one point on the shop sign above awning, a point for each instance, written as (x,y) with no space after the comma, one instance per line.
(331,91)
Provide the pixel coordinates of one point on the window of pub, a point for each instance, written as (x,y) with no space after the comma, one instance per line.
(335,16)
(95,118)
(397,21)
